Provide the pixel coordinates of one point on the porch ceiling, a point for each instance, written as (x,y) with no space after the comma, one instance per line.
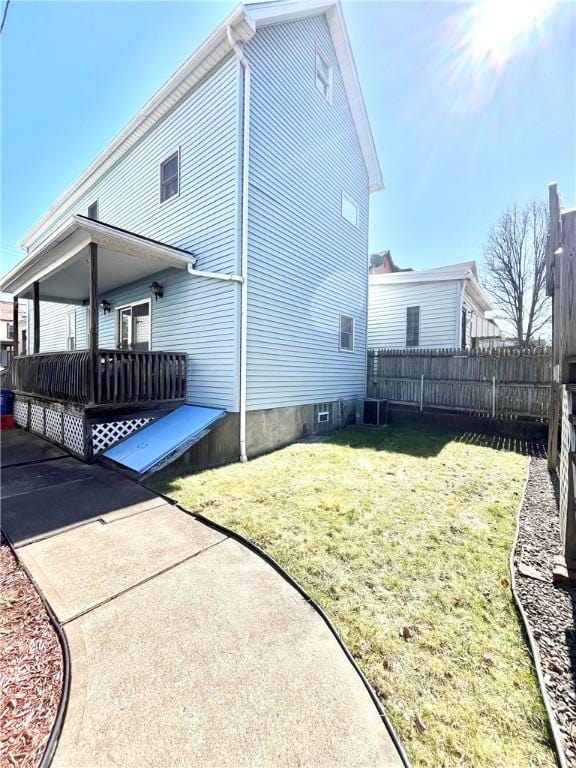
(61,264)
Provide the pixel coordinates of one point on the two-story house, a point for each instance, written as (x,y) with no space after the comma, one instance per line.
(215,252)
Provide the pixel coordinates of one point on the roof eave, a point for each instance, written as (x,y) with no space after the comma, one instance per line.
(244,20)
(153,110)
(22,273)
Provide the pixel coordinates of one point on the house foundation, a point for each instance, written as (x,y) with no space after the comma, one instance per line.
(266,430)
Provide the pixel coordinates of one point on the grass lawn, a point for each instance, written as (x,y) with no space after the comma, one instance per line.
(403,528)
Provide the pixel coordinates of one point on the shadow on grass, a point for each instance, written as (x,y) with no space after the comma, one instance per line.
(425,441)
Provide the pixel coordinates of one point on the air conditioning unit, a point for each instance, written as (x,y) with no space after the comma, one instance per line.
(375,412)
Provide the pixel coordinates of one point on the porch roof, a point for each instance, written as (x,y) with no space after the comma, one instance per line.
(61,264)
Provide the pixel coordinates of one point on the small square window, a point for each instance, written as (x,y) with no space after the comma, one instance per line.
(323,76)
(346,333)
(93,211)
(412,326)
(349,210)
(170,177)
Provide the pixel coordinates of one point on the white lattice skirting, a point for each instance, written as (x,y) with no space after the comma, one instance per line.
(105,435)
(21,414)
(74,433)
(70,429)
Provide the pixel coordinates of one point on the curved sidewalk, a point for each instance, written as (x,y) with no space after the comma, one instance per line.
(187,649)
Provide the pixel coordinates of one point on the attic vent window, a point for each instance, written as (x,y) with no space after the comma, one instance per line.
(170,177)
(349,210)
(323,76)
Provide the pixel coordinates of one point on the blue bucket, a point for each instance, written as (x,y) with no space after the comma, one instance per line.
(6,402)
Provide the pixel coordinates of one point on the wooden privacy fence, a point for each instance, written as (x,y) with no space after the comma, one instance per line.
(502,383)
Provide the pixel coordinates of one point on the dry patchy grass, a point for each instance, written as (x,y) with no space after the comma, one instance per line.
(403,528)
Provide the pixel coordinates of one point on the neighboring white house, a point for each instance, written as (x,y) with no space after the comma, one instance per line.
(231,222)
(7,331)
(430,308)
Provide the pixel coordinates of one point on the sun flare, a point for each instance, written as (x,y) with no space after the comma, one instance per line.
(498,28)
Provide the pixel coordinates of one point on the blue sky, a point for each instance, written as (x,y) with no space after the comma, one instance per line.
(457,140)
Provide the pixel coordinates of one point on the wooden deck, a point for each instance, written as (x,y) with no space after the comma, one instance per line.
(111,377)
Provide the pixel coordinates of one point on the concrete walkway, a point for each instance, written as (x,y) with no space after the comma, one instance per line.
(186,648)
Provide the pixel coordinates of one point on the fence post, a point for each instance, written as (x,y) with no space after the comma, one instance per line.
(421,392)
(493,397)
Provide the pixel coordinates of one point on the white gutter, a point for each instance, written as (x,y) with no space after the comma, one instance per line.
(238,50)
(214,275)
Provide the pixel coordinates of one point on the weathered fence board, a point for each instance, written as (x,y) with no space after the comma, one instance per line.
(503,384)
(561,286)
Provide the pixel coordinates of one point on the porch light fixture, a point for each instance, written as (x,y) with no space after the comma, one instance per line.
(106,306)
(157,290)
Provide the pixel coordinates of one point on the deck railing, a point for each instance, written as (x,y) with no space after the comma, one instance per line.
(114,377)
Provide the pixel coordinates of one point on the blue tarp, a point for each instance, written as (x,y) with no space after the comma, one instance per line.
(169,436)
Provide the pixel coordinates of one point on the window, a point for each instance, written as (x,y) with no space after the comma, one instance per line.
(323,76)
(349,210)
(346,333)
(93,211)
(133,324)
(10,330)
(464,329)
(71,331)
(170,177)
(323,413)
(412,326)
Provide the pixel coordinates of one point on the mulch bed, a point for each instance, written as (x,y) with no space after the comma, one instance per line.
(31,667)
(551,609)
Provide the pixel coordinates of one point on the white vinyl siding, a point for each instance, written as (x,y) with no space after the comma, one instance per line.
(197,316)
(439,314)
(476,323)
(310,266)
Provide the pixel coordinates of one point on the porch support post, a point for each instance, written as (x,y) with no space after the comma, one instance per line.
(93,298)
(36,306)
(15,327)
(93,340)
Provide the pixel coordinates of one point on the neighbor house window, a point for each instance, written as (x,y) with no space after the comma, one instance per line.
(346,333)
(10,330)
(323,76)
(71,331)
(349,210)
(412,326)
(170,177)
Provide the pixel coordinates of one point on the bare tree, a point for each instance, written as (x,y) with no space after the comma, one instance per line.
(515,268)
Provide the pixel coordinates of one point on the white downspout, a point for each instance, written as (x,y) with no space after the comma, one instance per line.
(459,307)
(237,48)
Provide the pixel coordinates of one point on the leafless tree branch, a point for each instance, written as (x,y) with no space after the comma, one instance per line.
(515,268)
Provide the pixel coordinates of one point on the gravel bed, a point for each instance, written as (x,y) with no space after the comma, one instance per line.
(551,609)
(31,668)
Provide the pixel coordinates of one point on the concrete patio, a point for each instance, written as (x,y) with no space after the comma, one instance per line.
(186,648)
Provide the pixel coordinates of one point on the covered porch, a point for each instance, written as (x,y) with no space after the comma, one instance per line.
(68,395)
(77,266)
